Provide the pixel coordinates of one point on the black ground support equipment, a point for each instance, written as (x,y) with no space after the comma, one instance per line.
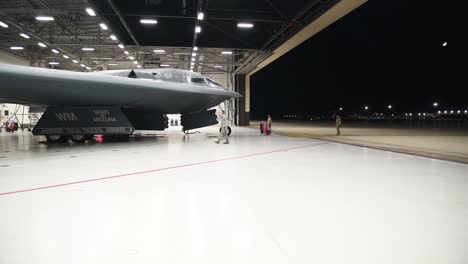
(59,123)
(146,120)
(199,119)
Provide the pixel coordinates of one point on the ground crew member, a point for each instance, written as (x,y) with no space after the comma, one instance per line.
(223,133)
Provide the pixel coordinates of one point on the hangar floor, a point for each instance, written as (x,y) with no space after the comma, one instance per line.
(167,198)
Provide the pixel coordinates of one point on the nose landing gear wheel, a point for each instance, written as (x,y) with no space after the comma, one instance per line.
(55,138)
(229,130)
(78,138)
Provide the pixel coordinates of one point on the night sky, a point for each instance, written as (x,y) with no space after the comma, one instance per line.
(385,52)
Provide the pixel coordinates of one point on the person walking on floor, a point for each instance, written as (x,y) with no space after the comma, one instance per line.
(223,133)
(338,125)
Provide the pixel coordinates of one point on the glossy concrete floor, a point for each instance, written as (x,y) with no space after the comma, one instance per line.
(167,198)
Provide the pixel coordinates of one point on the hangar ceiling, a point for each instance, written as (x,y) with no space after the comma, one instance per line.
(170,42)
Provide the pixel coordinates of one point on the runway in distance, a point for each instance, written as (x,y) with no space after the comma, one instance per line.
(80,105)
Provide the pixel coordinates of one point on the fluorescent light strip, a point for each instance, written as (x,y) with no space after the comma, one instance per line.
(217,66)
(197,29)
(82,65)
(131,58)
(16,48)
(226,52)
(159,51)
(87,49)
(66,57)
(103,26)
(148,21)
(194,54)
(165,65)
(54,63)
(90,11)
(88,68)
(24,36)
(75,61)
(3,25)
(41,44)
(126,52)
(55,51)
(112,64)
(139,66)
(245,25)
(195,48)
(113,37)
(45,18)
(121,46)
(135,62)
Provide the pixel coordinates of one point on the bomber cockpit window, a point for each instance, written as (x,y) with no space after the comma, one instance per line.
(213,83)
(198,80)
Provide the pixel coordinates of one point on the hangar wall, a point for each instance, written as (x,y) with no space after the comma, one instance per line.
(12,59)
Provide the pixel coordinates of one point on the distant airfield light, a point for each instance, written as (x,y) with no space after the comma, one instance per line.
(458,112)
(16,48)
(195,48)
(424,114)
(164,65)
(451,111)
(113,37)
(53,63)
(103,26)
(439,112)
(121,46)
(41,44)
(406,114)
(341,108)
(466,111)
(366,107)
(410,114)
(45,18)
(419,114)
(197,29)
(389,106)
(74,61)
(200,15)
(112,64)
(445,111)
(148,21)
(3,25)
(435,104)
(66,57)
(24,36)
(444,44)
(87,49)
(126,52)
(245,25)
(55,51)
(90,11)
(159,51)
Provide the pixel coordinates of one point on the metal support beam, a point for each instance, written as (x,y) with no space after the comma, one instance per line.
(122,20)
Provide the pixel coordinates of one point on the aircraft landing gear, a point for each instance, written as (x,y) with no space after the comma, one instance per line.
(55,138)
(229,131)
(78,138)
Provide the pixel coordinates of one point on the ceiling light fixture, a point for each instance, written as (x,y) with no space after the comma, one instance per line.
(103,26)
(82,65)
(45,18)
(126,52)
(218,66)
(55,51)
(197,29)
(54,63)
(3,24)
(135,62)
(90,11)
(200,15)
(121,46)
(226,52)
(148,21)
(131,58)
(24,36)
(164,65)
(75,61)
(245,25)
(41,44)
(16,48)
(112,64)
(195,48)
(159,51)
(193,59)
(194,54)
(139,66)
(87,49)
(113,37)
(88,68)
(66,57)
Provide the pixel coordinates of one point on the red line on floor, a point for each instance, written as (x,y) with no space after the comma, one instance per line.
(155,170)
